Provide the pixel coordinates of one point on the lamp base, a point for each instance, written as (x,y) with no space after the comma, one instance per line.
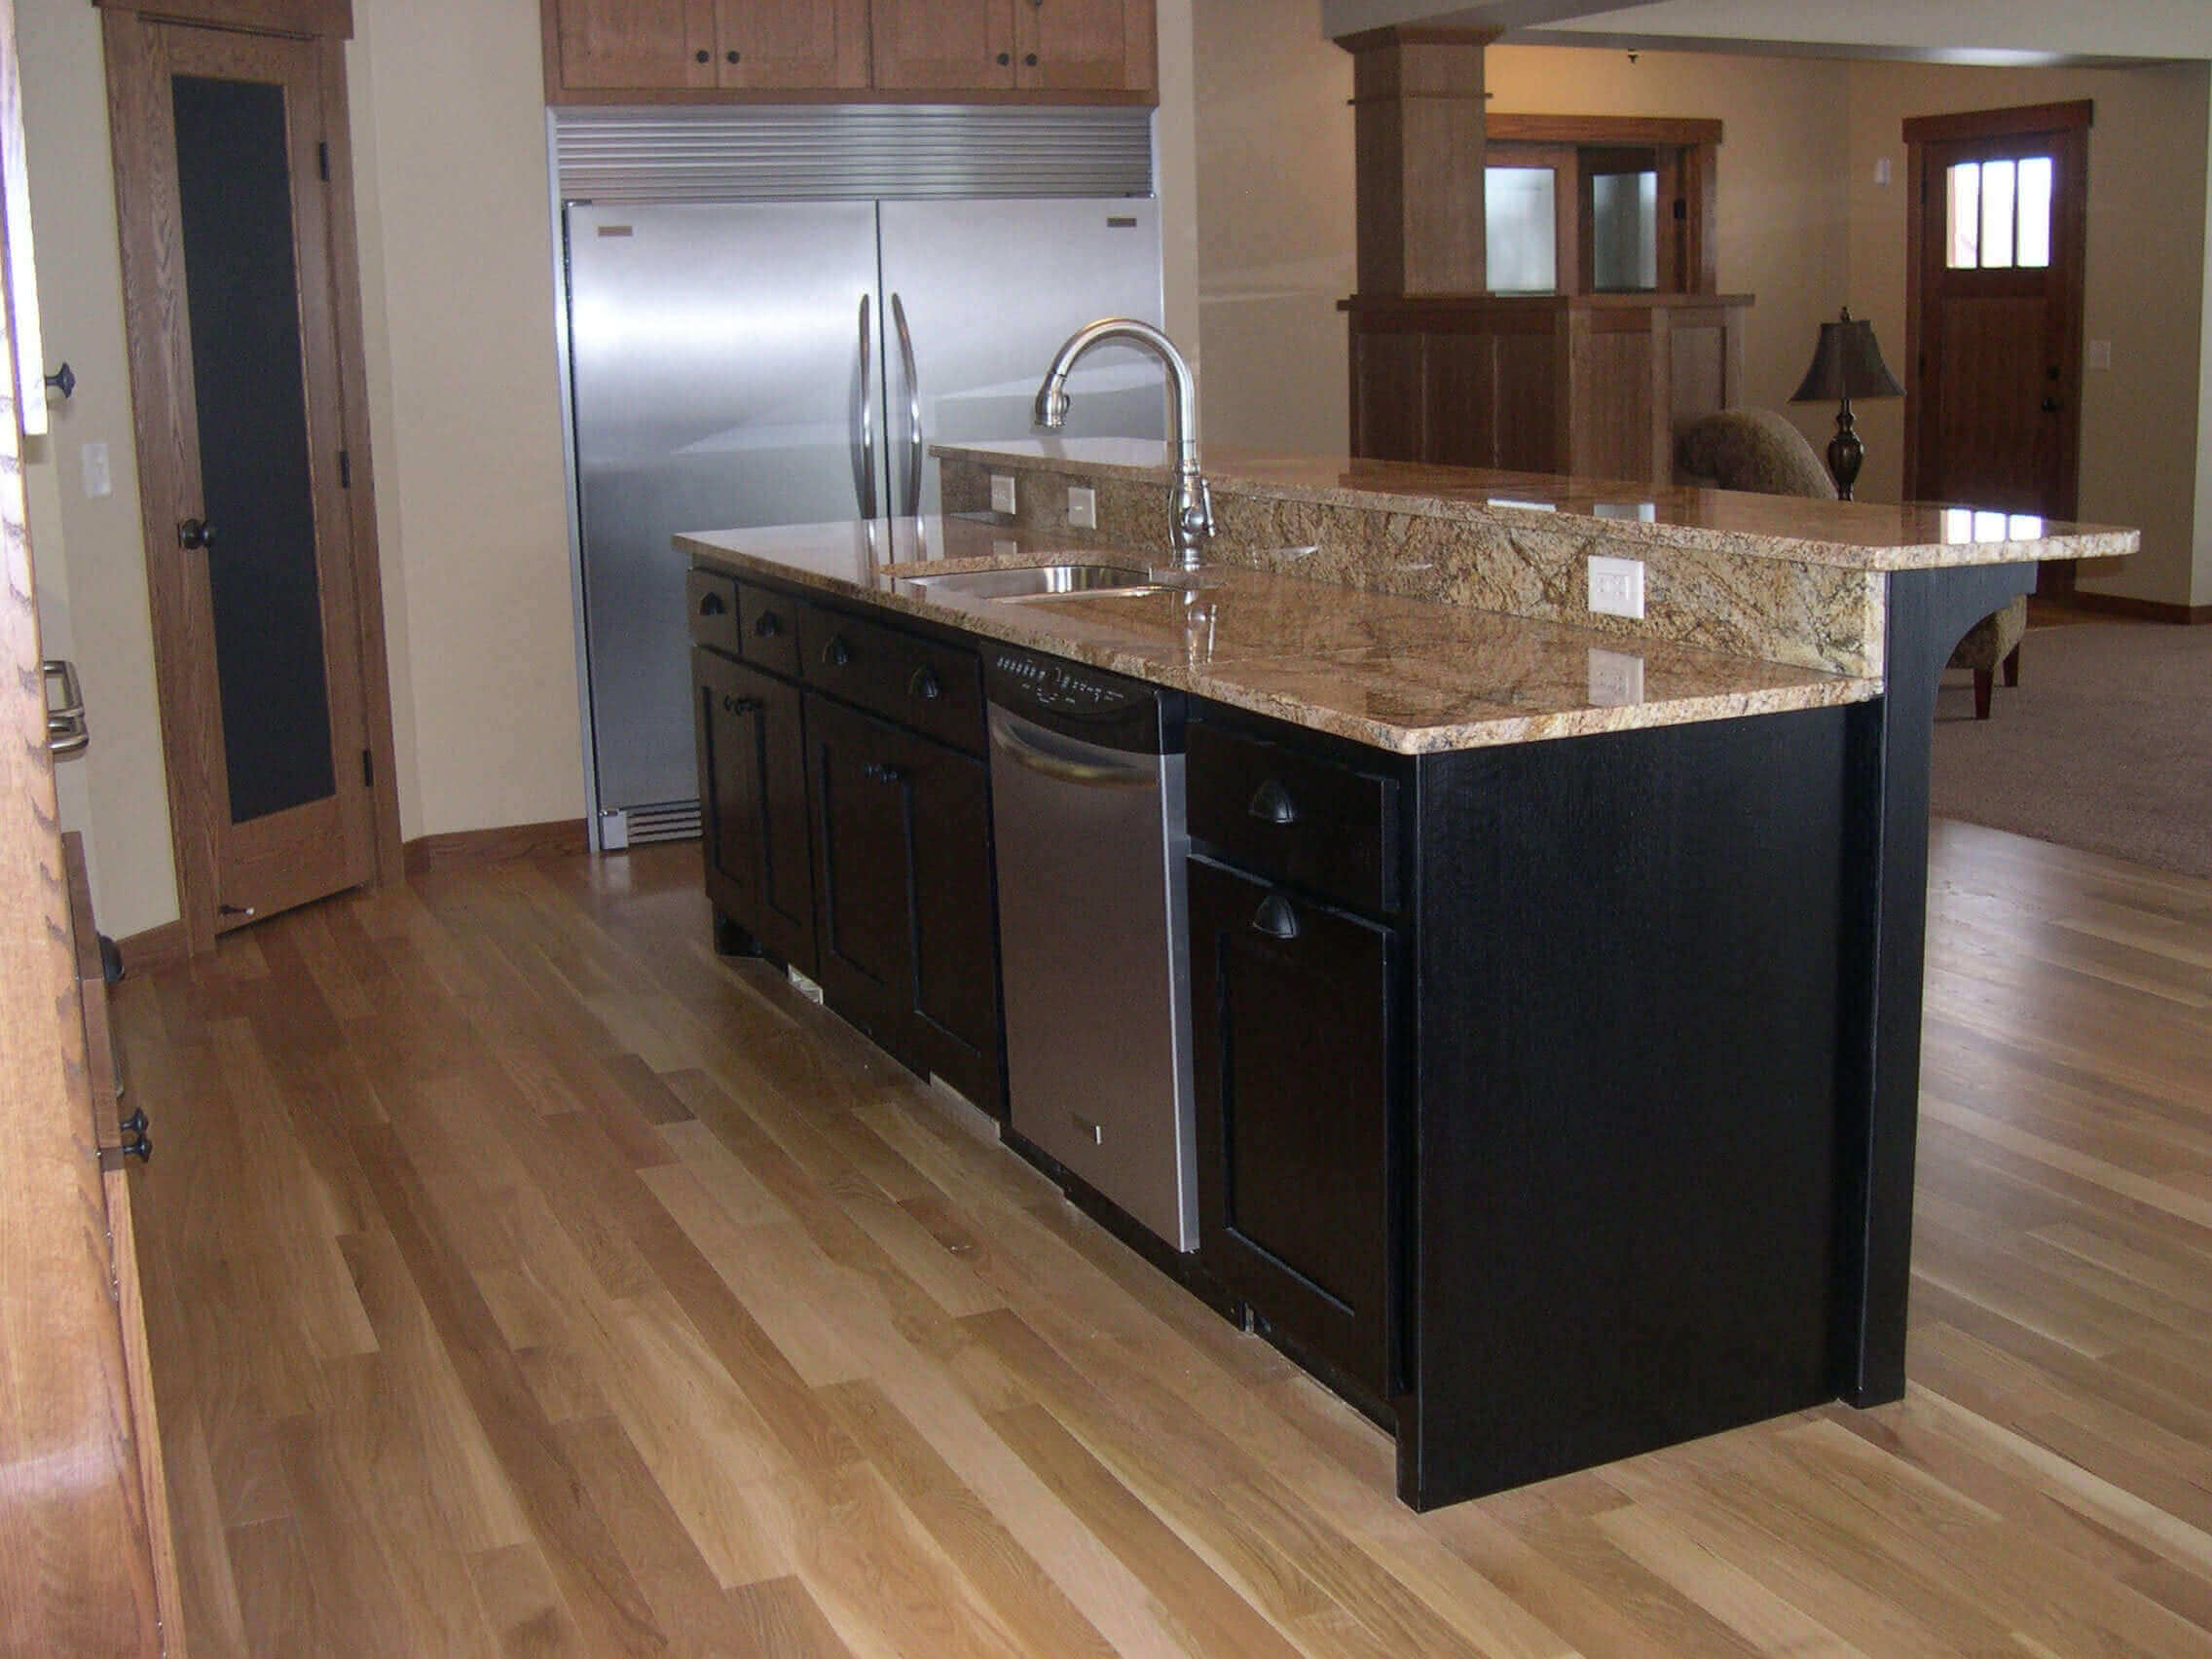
(1846,454)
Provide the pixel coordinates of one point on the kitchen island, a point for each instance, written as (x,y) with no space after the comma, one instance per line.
(1558,1062)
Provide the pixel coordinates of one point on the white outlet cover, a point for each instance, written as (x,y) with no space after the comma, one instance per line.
(1616,586)
(1002,493)
(1082,507)
(2100,354)
(98,479)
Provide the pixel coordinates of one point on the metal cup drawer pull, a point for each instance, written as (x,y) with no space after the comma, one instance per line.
(1275,918)
(769,625)
(923,684)
(1272,803)
(712,604)
(836,653)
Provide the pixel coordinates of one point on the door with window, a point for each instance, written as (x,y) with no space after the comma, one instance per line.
(270,679)
(1994,314)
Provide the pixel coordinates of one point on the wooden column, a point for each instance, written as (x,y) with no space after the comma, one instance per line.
(1418,129)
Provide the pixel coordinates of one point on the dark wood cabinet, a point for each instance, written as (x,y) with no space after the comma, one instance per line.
(1293,1018)
(753,808)
(908,940)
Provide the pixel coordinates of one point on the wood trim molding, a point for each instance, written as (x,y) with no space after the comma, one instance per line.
(308,18)
(2140,609)
(1402,34)
(2000,122)
(503,845)
(1621,130)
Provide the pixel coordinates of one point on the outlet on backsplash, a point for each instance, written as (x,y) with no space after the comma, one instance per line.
(1082,507)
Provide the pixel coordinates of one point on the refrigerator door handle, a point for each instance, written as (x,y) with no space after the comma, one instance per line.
(866,480)
(912,505)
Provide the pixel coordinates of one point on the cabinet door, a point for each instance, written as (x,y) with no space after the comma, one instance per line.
(1291,1012)
(645,45)
(777,45)
(752,806)
(1085,44)
(909,944)
(951,44)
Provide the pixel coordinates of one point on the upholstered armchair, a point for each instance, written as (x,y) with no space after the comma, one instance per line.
(1762,451)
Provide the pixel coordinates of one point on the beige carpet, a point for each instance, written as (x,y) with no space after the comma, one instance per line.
(2106,745)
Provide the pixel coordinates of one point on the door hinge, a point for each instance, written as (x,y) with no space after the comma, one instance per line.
(368,770)
(1681,209)
(322,160)
(345,470)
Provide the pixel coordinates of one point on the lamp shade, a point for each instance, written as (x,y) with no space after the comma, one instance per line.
(1847,363)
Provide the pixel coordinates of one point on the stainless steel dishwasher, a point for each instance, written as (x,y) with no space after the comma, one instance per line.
(1087,812)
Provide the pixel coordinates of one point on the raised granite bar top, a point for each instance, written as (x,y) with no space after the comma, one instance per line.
(1860,535)
(1402,674)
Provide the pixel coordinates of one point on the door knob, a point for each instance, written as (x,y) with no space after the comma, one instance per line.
(193,534)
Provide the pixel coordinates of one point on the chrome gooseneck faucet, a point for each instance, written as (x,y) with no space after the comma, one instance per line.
(1191,507)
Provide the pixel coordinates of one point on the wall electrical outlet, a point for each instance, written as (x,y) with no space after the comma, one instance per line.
(2100,354)
(1616,586)
(1002,493)
(1082,507)
(98,480)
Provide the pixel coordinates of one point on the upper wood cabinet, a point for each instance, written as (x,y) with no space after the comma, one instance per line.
(973,51)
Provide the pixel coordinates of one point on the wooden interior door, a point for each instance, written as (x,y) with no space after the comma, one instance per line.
(270,669)
(1994,313)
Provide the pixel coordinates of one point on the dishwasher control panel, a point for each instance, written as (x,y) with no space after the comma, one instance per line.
(1051,684)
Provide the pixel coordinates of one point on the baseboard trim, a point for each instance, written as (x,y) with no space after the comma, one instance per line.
(503,845)
(2139,610)
(156,947)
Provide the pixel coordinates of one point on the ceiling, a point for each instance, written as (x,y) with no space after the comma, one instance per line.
(2031,32)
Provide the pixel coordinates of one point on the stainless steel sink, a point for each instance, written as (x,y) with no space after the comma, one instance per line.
(1033,582)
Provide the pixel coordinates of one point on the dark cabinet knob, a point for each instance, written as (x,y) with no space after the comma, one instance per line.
(136,1141)
(924,684)
(1004,58)
(134,1124)
(2051,406)
(195,534)
(883,772)
(739,705)
(712,605)
(1030,58)
(1272,803)
(702,55)
(1275,918)
(731,54)
(768,625)
(836,653)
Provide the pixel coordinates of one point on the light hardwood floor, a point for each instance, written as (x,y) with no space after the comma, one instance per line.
(525,1280)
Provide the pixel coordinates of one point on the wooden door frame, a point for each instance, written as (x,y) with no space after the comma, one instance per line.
(190,780)
(2070,123)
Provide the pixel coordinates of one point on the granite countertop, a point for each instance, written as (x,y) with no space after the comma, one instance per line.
(1864,535)
(1408,675)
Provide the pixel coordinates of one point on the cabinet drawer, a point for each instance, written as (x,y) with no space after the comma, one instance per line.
(1310,821)
(767,624)
(936,690)
(713,610)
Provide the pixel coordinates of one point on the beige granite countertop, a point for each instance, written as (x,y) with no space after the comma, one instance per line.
(1402,674)
(1862,535)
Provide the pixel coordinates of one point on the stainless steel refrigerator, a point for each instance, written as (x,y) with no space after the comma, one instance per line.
(735,365)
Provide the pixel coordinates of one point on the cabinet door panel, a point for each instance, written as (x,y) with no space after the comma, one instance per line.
(791,44)
(648,45)
(1290,1027)
(1086,44)
(944,42)
(956,939)
(752,806)
(864,834)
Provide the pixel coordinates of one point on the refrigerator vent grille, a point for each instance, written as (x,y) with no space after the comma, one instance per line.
(670,821)
(849,151)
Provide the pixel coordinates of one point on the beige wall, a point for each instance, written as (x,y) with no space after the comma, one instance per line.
(2147,240)
(448,126)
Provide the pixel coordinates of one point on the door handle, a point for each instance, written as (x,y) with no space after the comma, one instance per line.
(195,534)
(912,505)
(867,419)
(1275,918)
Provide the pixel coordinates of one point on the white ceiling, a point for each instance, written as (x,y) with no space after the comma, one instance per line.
(1960,31)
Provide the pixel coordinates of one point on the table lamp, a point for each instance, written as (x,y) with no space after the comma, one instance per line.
(1847,363)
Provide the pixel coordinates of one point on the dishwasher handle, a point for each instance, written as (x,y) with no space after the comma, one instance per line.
(1068,760)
